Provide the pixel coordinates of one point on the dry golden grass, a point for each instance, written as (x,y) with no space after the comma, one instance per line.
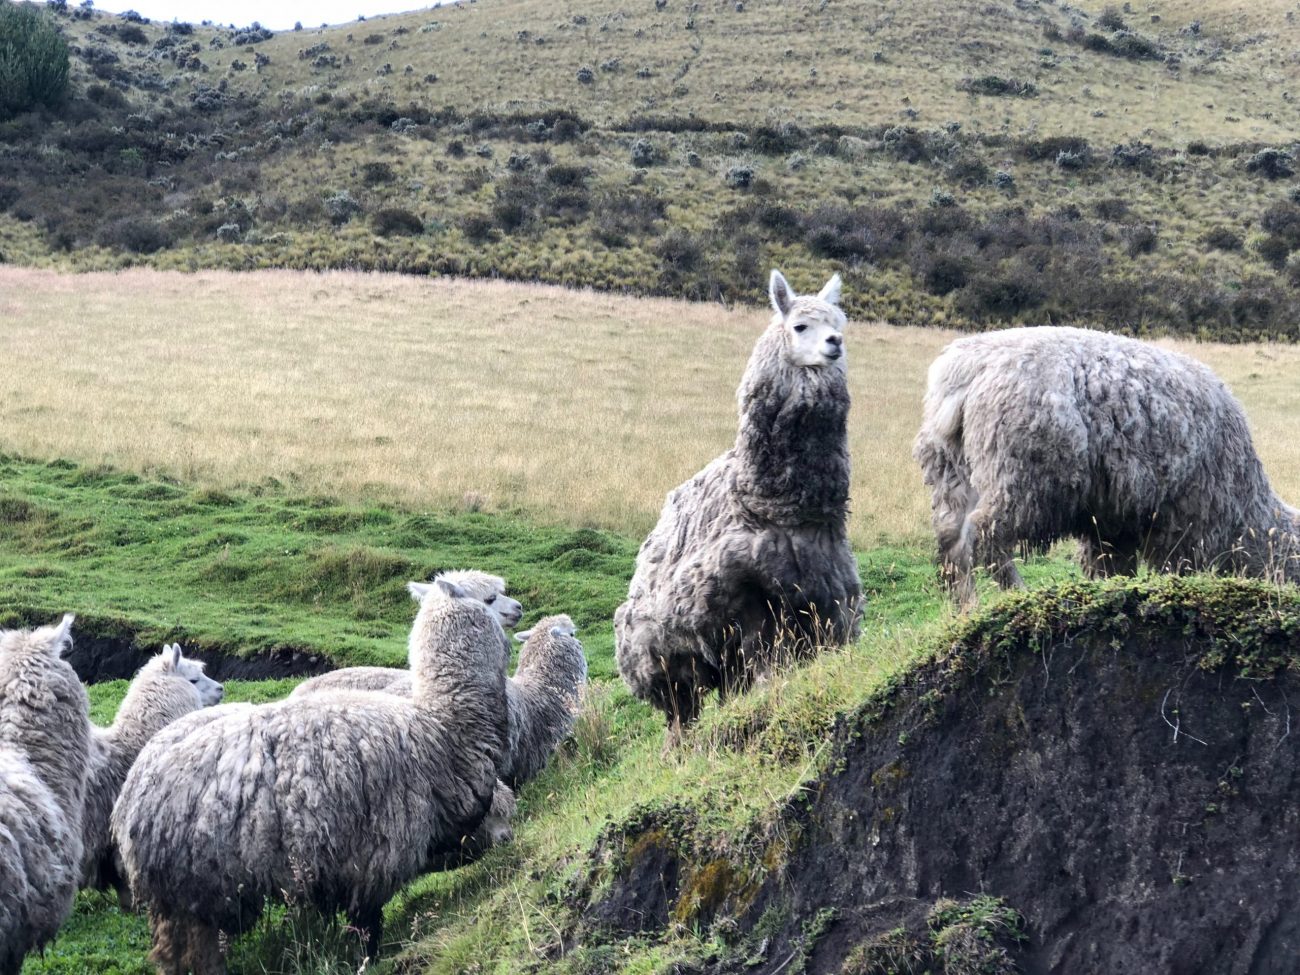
(574,406)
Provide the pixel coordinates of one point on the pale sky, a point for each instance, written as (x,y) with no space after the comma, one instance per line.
(275,14)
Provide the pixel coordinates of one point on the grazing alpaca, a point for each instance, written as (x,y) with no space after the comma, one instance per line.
(1031,435)
(750,562)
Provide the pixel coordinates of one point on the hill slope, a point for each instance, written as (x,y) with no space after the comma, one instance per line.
(961,162)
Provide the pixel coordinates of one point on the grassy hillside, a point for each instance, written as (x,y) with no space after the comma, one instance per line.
(962,163)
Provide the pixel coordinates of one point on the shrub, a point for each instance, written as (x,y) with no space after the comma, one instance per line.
(679,250)
(586,76)
(341,207)
(1112,208)
(643,152)
(1140,239)
(33,60)
(478,227)
(1274,249)
(1134,46)
(944,274)
(1222,239)
(1134,155)
(230,233)
(397,222)
(1111,19)
(131,34)
(564,175)
(1283,220)
(139,235)
(739,177)
(375,173)
(991,84)
(1271,164)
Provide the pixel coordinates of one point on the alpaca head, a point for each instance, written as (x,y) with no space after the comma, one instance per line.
(490,590)
(175,664)
(813,325)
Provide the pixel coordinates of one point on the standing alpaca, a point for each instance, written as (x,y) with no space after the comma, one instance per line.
(487,588)
(168,687)
(334,800)
(750,561)
(44,744)
(1031,435)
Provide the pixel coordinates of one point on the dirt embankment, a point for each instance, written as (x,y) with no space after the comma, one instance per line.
(1116,765)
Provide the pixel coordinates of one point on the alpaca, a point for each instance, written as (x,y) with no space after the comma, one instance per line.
(166,688)
(1031,435)
(44,745)
(750,563)
(489,589)
(334,800)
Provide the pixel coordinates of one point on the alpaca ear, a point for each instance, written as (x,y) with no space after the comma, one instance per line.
(418,590)
(831,293)
(779,291)
(523,635)
(171,656)
(450,589)
(62,641)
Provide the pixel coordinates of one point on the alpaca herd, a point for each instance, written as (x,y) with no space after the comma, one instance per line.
(200,813)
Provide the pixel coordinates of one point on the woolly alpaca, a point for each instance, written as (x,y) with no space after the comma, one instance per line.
(750,562)
(44,744)
(489,589)
(335,801)
(542,696)
(168,687)
(1031,435)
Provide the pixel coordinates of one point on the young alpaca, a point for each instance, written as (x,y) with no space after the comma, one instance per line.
(489,589)
(1031,435)
(168,687)
(44,744)
(750,562)
(335,800)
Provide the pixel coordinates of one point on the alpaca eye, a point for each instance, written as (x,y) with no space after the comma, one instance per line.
(801,328)
(490,600)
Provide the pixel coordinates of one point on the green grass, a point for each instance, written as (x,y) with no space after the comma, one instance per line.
(244,574)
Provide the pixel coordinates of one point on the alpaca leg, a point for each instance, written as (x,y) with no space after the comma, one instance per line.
(370,921)
(204,950)
(993,546)
(1101,560)
(168,951)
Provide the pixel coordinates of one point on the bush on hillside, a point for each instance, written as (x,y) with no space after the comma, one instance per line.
(33,60)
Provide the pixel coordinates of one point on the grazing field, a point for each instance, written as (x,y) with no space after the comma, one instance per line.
(570,406)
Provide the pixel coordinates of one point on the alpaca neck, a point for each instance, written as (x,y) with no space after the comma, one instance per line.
(792,444)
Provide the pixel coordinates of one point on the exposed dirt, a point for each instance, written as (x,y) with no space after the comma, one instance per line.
(98,658)
(1130,786)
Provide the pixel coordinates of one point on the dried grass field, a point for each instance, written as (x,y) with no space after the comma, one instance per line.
(570,406)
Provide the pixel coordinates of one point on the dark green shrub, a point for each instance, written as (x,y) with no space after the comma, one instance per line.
(397,222)
(374,173)
(33,60)
(1222,239)
(139,235)
(991,84)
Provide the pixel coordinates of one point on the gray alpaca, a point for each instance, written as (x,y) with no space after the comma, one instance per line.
(334,800)
(44,744)
(541,703)
(1031,435)
(168,687)
(750,562)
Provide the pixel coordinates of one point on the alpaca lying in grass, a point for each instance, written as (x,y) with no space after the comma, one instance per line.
(1031,435)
